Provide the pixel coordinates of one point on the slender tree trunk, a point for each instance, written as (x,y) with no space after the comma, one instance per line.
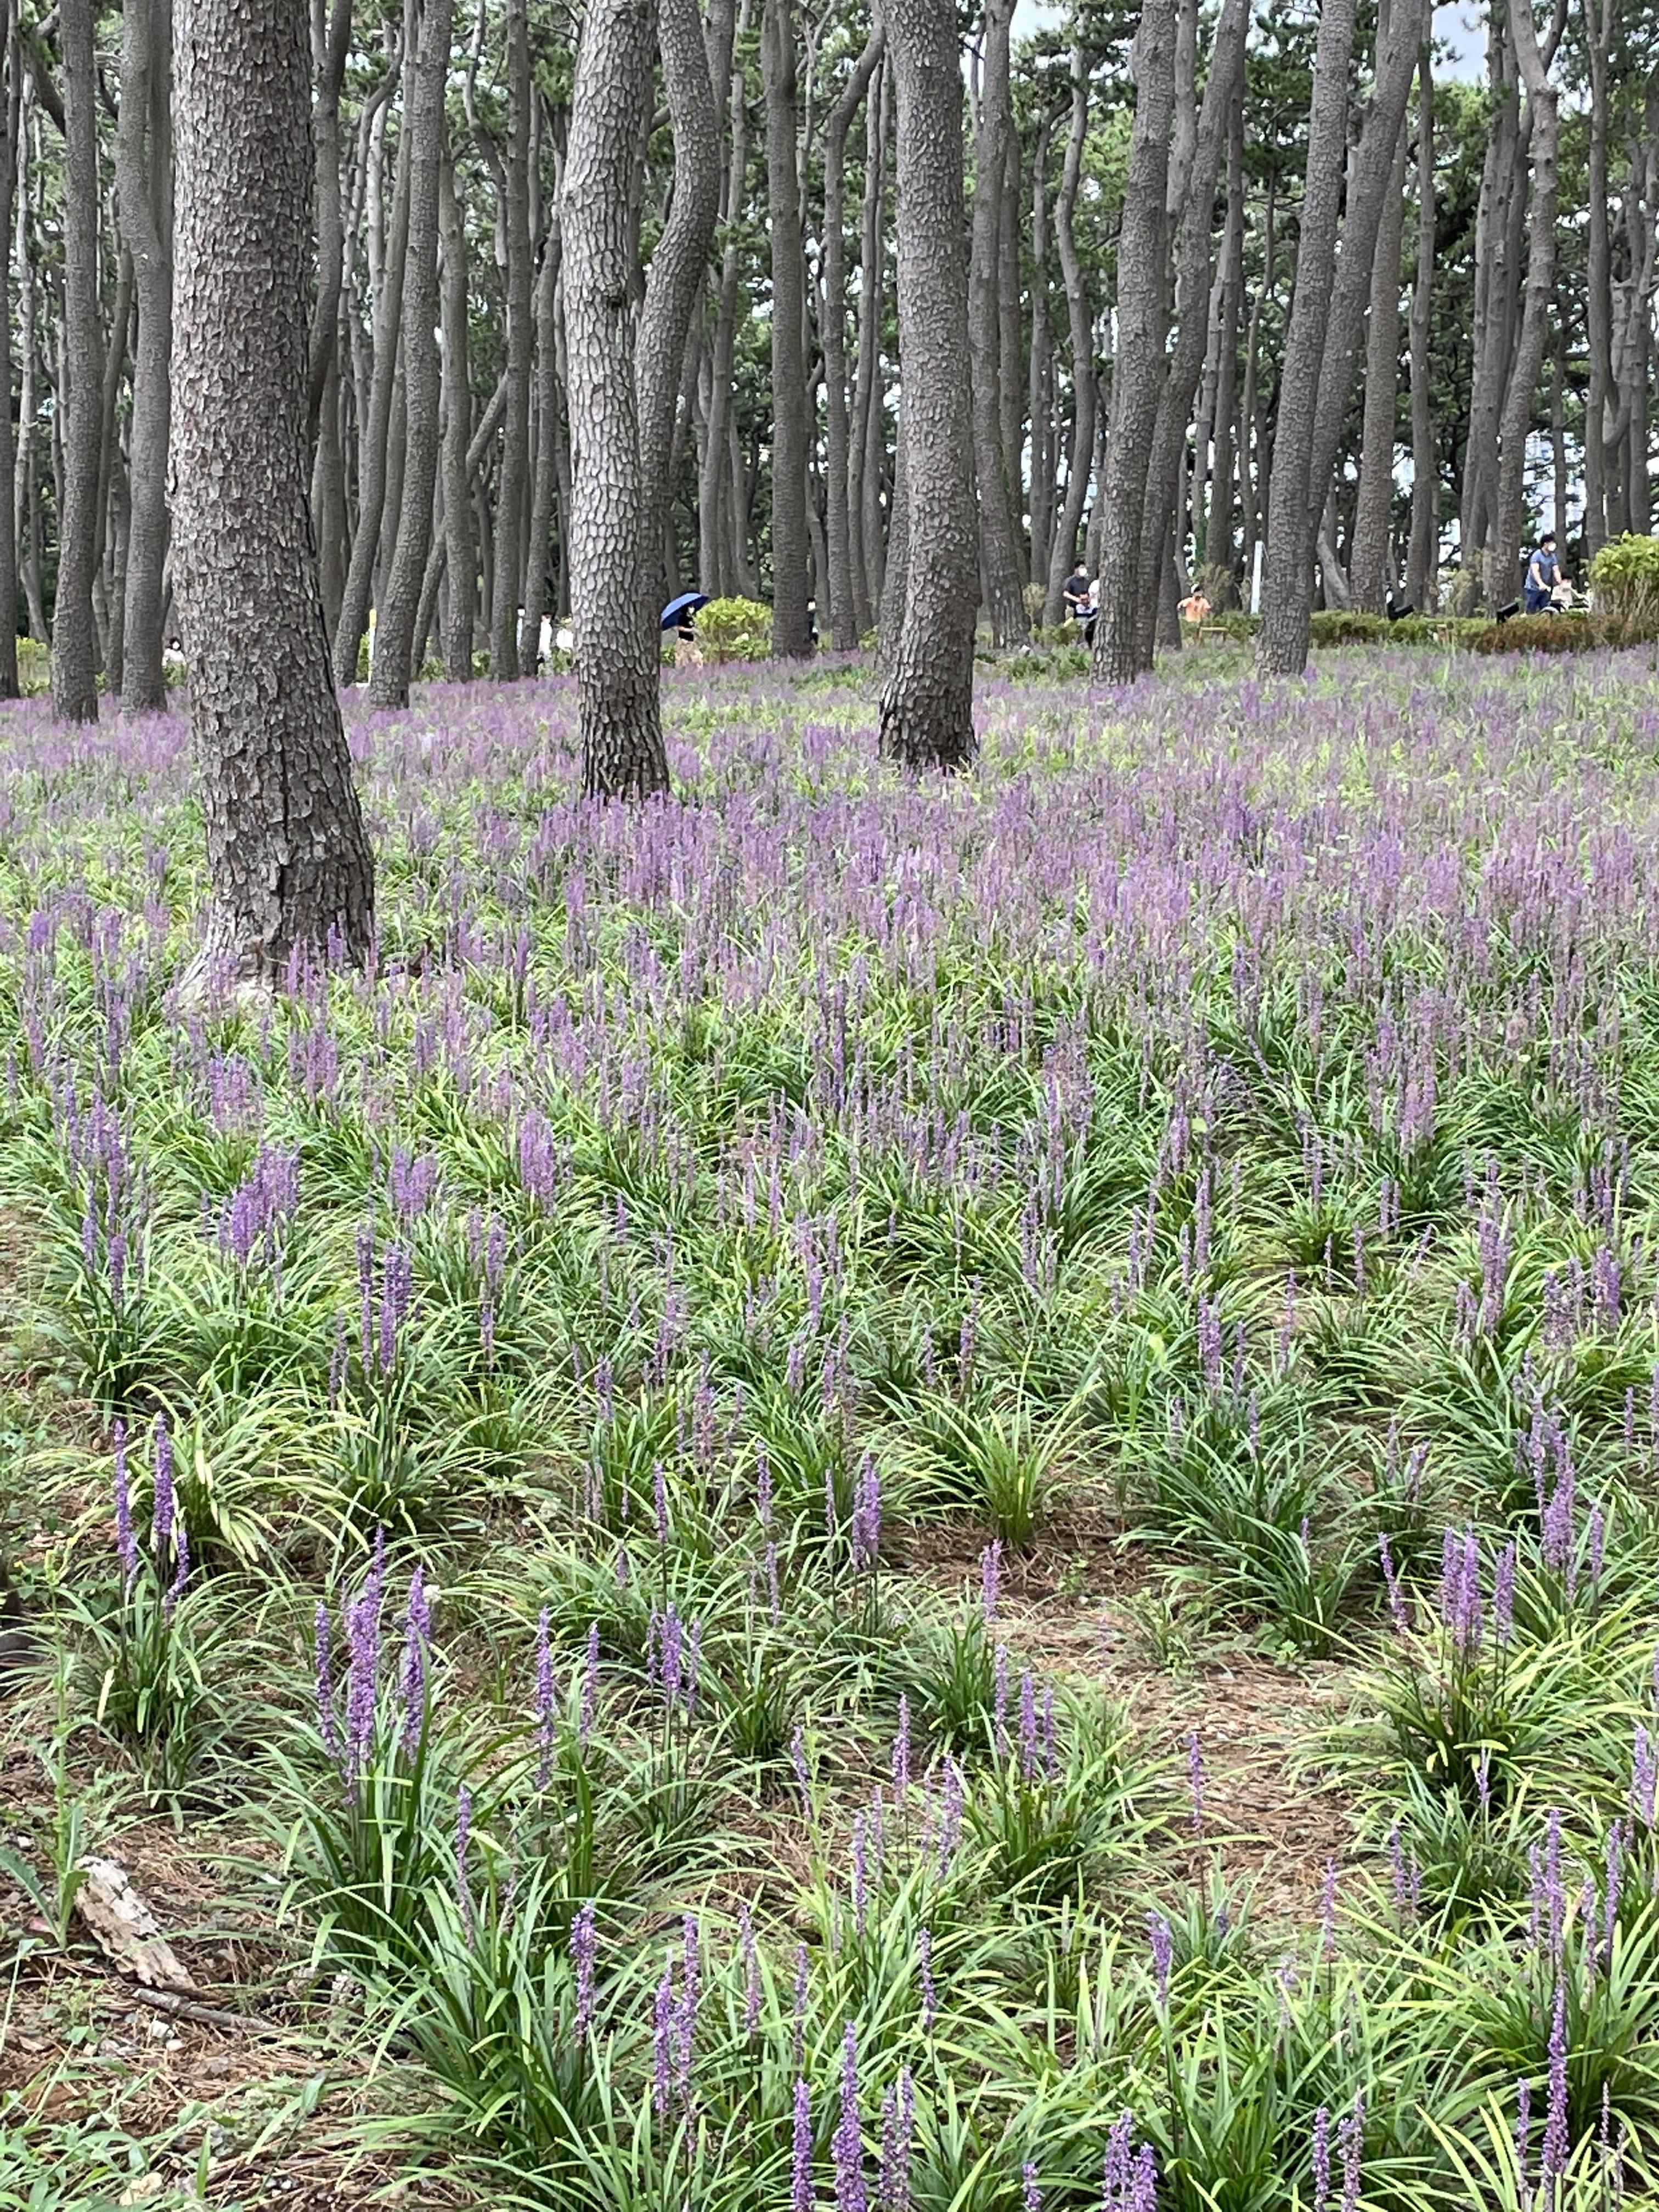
(1138,375)
(1040,399)
(374,429)
(1598,301)
(511,504)
(74,637)
(998,552)
(844,624)
(428,73)
(143,162)
(1218,542)
(617,661)
(713,563)
(1011,327)
(927,704)
(789,541)
(1372,561)
(1081,323)
(549,444)
(288,861)
(679,268)
(1282,640)
(1503,554)
(331,38)
(9,156)
(1423,568)
(461,559)
(869,447)
(1161,522)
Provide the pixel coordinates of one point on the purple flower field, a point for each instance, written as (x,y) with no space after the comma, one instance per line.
(707,1454)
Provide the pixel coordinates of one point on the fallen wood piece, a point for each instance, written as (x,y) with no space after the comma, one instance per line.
(177,2007)
(126,1929)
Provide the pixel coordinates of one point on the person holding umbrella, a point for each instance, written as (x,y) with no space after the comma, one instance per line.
(680,616)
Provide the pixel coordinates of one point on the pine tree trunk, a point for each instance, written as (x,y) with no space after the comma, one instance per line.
(9,152)
(1598,301)
(1080,324)
(1040,394)
(869,444)
(426,73)
(287,857)
(1287,582)
(999,553)
(927,704)
(74,638)
(679,267)
(460,550)
(1422,571)
(844,625)
(713,563)
(790,638)
(1503,552)
(1372,561)
(514,491)
(549,442)
(1138,375)
(618,660)
(143,161)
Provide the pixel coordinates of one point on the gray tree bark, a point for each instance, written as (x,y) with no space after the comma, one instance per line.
(617,661)
(74,637)
(713,476)
(844,624)
(999,550)
(460,550)
(427,77)
(1287,583)
(1371,562)
(790,637)
(1422,563)
(142,166)
(1139,373)
(1080,325)
(1504,551)
(287,857)
(10,152)
(513,188)
(927,704)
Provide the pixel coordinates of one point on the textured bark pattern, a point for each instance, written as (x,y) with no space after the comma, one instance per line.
(12,113)
(617,664)
(287,857)
(789,541)
(395,643)
(1504,553)
(1423,561)
(1081,329)
(927,706)
(508,578)
(142,164)
(1282,642)
(1373,563)
(838,490)
(1138,377)
(459,549)
(677,266)
(999,553)
(74,637)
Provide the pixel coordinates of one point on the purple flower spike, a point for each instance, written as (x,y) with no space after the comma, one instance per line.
(544,1700)
(1396,1598)
(1195,1779)
(851,2194)
(800,2181)
(584,1952)
(990,1579)
(1321,2158)
(463,1841)
(126,1544)
(590,1704)
(929,1987)
(1352,2137)
(1030,2196)
(163,1519)
(1163,1942)
(662,2040)
(1556,2140)
(417,1638)
(1327,1913)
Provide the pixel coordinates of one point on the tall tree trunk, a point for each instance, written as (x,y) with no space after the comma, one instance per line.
(712,565)
(1217,552)
(1504,553)
(1282,640)
(869,444)
(1423,568)
(550,457)
(844,624)
(1040,399)
(427,74)
(617,661)
(1138,375)
(460,551)
(678,269)
(1181,370)
(927,704)
(74,638)
(998,552)
(1598,300)
(1011,374)
(330,40)
(1080,324)
(9,156)
(790,637)
(510,506)
(374,427)
(143,162)
(289,861)
(1372,559)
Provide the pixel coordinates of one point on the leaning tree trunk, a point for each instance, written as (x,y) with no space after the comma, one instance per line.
(998,552)
(1282,642)
(1139,374)
(789,537)
(395,642)
(618,665)
(1080,325)
(288,859)
(73,634)
(678,268)
(927,704)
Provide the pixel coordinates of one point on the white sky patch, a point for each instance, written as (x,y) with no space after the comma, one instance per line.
(1458,28)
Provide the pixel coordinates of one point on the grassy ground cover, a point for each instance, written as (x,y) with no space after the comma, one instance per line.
(851,1494)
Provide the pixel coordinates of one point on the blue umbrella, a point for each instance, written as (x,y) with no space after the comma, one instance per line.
(677,609)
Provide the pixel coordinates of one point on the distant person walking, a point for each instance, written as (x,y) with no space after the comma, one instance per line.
(1544,576)
(1076,593)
